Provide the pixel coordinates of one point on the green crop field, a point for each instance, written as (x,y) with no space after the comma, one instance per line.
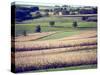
(60,34)
(61,24)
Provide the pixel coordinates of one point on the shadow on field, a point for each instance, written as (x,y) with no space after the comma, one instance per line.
(86,27)
(51,66)
(83,28)
(61,26)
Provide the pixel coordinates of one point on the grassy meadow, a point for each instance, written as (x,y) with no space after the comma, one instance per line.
(61,24)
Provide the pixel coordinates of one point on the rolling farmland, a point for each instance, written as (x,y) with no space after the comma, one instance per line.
(53,38)
(73,50)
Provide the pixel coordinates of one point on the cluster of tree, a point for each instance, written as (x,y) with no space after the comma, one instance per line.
(24,13)
(65,10)
(62,9)
(88,11)
(52,23)
(38,28)
(75,24)
(93,19)
(46,12)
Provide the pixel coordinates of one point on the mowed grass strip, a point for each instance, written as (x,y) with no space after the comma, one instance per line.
(70,35)
(59,35)
(32,37)
(82,35)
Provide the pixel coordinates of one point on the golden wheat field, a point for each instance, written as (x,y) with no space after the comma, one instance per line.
(53,44)
(79,49)
(70,58)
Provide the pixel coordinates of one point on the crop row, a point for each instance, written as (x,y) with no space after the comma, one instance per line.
(52,51)
(50,44)
(55,60)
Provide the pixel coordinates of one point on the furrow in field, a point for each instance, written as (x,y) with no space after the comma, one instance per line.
(52,51)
